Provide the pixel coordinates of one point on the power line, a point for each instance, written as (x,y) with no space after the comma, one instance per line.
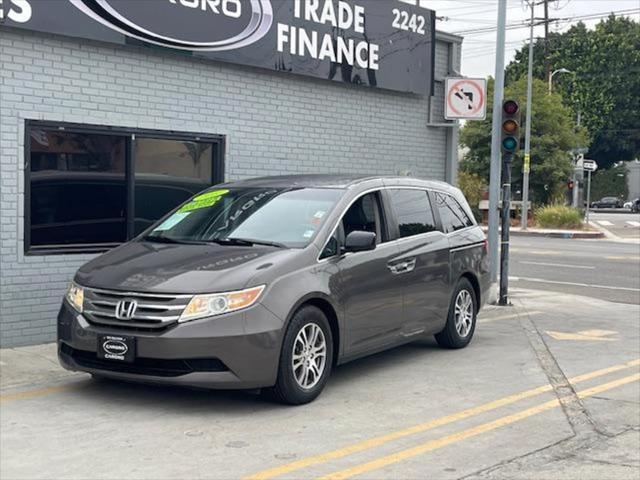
(525,24)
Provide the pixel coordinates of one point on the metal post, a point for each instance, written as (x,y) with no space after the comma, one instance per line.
(506,224)
(588,196)
(576,189)
(494,180)
(576,178)
(527,133)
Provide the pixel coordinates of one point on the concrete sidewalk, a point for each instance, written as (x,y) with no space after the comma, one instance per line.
(545,340)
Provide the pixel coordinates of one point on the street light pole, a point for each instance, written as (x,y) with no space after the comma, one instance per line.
(527,133)
(496,133)
(560,70)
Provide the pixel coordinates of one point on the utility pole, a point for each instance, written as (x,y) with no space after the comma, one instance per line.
(547,63)
(527,133)
(494,180)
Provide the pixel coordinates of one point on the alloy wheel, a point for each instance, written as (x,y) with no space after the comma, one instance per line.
(464,313)
(309,355)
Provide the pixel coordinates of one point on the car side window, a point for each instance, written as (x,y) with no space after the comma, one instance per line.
(452,215)
(413,211)
(365,215)
(332,247)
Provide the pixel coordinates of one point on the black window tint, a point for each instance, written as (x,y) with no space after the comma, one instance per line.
(168,172)
(452,215)
(77,188)
(413,211)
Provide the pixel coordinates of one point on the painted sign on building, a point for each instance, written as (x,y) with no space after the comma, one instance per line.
(386,44)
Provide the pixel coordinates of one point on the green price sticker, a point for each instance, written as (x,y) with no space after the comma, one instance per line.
(205,200)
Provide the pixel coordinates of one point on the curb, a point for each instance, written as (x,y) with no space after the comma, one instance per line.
(555,234)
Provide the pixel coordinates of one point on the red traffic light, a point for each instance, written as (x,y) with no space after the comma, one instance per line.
(510,107)
(570,184)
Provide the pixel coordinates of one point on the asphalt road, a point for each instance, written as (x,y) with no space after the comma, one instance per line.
(549,388)
(596,268)
(622,224)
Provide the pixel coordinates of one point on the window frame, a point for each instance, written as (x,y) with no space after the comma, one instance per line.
(218,154)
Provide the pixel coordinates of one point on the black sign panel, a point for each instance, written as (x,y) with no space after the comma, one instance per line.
(379,43)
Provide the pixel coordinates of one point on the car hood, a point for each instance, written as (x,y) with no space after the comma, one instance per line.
(171,268)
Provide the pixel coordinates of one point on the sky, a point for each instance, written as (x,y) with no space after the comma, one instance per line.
(478,49)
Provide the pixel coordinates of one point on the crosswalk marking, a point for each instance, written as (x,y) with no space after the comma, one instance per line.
(633,223)
(605,223)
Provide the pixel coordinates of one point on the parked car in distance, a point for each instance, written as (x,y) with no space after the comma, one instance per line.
(271,282)
(635,205)
(607,202)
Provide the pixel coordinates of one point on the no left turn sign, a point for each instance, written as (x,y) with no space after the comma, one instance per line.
(465,98)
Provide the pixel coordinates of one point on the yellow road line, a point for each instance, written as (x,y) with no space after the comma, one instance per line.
(470,432)
(422,427)
(40,392)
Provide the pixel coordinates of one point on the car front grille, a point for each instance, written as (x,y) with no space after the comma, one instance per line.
(154,311)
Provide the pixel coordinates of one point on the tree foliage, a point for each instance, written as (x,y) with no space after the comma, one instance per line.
(473,186)
(611,182)
(553,136)
(604,87)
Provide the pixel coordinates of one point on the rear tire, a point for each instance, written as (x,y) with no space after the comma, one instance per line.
(306,358)
(461,320)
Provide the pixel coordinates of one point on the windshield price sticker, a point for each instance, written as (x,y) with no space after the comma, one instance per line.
(205,200)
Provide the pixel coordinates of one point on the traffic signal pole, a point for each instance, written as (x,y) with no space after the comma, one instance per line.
(494,176)
(506,219)
(510,122)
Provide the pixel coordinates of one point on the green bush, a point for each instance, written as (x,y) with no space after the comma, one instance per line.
(472,186)
(558,216)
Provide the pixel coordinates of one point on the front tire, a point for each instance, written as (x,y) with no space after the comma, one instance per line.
(461,320)
(306,358)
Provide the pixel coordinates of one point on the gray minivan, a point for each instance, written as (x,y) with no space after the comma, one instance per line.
(271,282)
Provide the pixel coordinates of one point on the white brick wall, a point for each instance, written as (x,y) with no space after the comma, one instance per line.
(274,123)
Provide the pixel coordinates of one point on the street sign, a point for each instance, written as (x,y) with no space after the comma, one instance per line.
(589,165)
(465,98)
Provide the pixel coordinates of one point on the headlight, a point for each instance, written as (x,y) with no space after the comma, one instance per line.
(218,303)
(75,296)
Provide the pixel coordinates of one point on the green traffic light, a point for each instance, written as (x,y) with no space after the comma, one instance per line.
(510,144)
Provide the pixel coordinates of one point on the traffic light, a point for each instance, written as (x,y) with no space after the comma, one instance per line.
(510,126)
(570,184)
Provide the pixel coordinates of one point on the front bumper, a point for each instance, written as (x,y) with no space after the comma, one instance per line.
(233,351)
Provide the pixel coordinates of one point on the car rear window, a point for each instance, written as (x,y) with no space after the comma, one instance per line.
(452,215)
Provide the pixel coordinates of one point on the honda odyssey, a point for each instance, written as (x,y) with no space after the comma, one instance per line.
(271,282)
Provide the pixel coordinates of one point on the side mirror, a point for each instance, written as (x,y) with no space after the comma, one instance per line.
(360,241)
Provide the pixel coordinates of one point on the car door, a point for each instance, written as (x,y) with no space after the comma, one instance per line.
(371,294)
(423,261)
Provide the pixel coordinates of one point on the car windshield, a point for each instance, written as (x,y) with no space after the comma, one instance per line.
(275,216)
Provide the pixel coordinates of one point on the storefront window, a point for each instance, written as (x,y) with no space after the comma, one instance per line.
(167,173)
(78,189)
(79,179)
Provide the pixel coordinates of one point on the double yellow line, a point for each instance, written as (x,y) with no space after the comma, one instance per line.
(447,440)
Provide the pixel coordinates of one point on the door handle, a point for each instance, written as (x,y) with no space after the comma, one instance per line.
(403,267)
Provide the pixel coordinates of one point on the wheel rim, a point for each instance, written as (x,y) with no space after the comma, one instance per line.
(464,313)
(309,355)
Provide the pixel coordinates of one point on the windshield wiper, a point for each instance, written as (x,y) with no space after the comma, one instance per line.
(158,239)
(245,242)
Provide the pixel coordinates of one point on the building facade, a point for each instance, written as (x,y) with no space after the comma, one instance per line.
(91,132)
